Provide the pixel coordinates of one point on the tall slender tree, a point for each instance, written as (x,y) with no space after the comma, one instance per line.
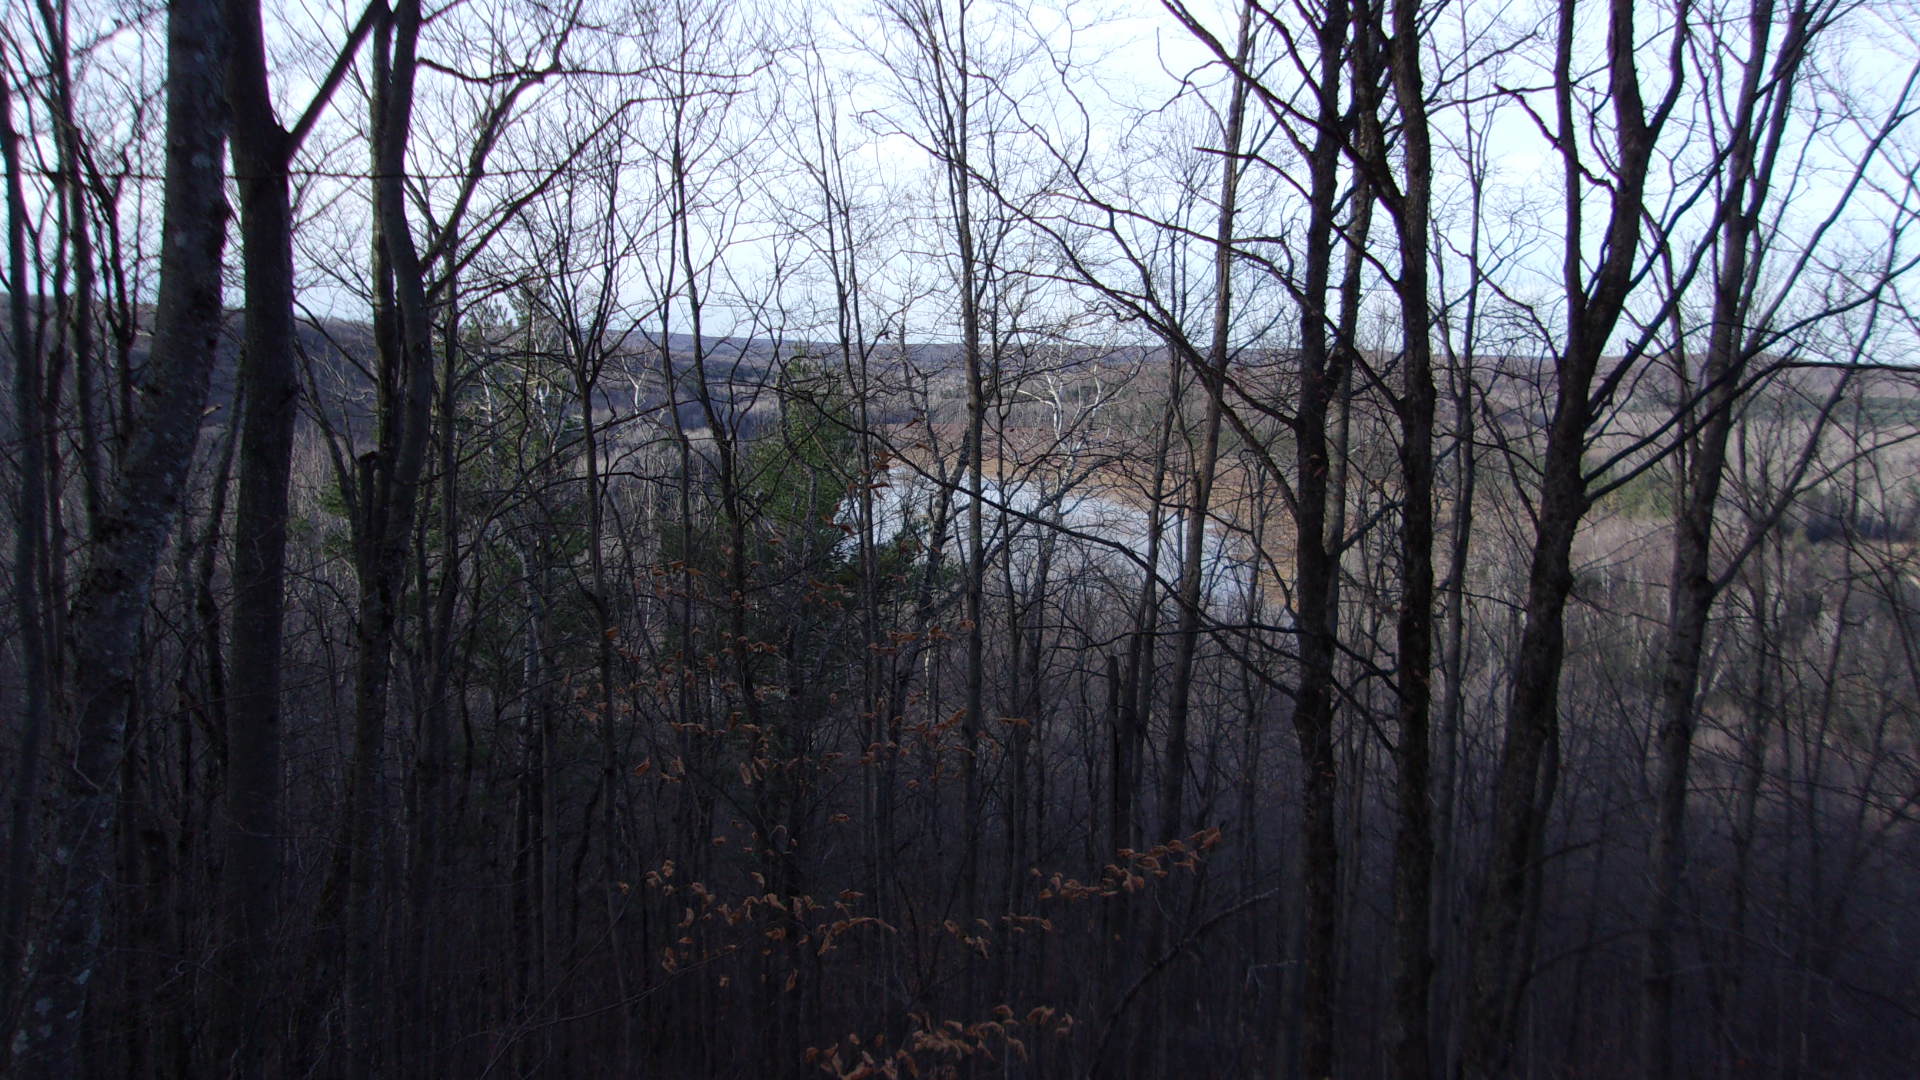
(132,530)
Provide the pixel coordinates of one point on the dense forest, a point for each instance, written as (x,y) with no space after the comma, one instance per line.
(966,538)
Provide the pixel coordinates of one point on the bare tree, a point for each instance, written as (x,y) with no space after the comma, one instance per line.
(1593,303)
(263,154)
(132,531)
(29,552)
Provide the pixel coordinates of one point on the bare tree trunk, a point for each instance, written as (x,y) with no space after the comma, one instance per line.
(434,815)
(269,387)
(1523,787)
(1212,374)
(133,529)
(386,497)
(1454,656)
(1413,841)
(1693,586)
(74,312)
(957,138)
(30,526)
(1316,565)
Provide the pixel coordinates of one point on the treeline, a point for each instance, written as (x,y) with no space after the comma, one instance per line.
(698,539)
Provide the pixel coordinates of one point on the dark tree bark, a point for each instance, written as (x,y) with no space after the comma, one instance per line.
(1413,841)
(1212,375)
(269,388)
(1317,566)
(263,153)
(1762,107)
(387,490)
(30,525)
(1524,783)
(132,531)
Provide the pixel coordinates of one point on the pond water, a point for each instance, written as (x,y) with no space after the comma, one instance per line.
(1088,536)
